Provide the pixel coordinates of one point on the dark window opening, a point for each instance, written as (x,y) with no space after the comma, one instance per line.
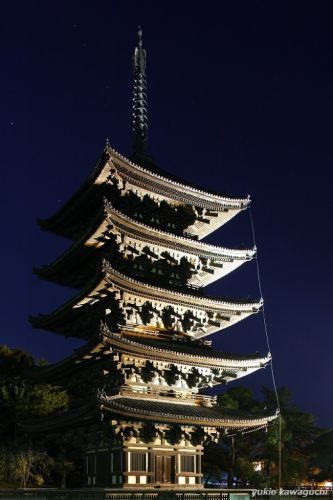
(138,462)
(91,464)
(187,463)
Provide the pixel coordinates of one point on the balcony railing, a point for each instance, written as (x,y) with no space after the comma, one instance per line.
(154,393)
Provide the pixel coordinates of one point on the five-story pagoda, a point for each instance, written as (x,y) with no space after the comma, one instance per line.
(140,266)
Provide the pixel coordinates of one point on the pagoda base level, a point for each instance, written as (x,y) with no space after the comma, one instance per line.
(162,469)
(131,463)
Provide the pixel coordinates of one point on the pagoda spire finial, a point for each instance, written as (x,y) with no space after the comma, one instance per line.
(139,107)
(139,34)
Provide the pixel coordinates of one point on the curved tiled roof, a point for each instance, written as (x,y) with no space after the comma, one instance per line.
(150,234)
(110,280)
(185,352)
(164,294)
(148,181)
(179,190)
(232,258)
(105,344)
(141,410)
(160,411)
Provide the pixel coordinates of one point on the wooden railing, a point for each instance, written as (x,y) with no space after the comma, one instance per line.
(152,393)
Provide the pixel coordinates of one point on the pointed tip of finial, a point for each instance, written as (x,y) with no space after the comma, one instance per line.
(139,33)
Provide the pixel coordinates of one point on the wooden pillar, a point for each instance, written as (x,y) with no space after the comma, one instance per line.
(198,471)
(125,466)
(151,466)
(177,466)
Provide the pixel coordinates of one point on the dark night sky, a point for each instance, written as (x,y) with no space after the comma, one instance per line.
(240,100)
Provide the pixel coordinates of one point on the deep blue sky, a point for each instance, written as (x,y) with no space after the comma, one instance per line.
(240,100)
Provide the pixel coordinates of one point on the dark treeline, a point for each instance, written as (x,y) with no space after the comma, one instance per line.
(245,460)
(252,459)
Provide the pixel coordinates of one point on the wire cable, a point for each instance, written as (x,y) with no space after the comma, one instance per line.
(269,350)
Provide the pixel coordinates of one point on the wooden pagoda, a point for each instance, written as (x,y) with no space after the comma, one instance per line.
(140,267)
